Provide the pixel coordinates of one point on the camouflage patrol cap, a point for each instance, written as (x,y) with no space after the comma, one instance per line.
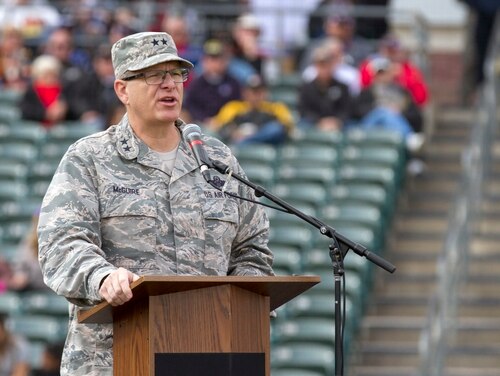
(141,50)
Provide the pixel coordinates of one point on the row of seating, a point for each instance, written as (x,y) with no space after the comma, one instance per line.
(349,181)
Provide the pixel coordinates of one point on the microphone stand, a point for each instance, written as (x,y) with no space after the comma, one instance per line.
(337,253)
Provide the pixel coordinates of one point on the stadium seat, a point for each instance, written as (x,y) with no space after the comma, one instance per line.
(256,153)
(371,193)
(315,137)
(9,113)
(13,171)
(22,132)
(10,97)
(38,327)
(299,173)
(359,213)
(14,231)
(70,132)
(309,155)
(383,176)
(284,218)
(18,152)
(11,303)
(259,174)
(306,329)
(287,260)
(302,194)
(308,356)
(294,372)
(45,302)
(17,210)
(297,237)
(373,137)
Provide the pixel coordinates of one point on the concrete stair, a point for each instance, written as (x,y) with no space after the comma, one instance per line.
(389,339)
(475,347)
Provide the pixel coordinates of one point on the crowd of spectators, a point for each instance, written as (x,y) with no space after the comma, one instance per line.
(63,67)
(58,60)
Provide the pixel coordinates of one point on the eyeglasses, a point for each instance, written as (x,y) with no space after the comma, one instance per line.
(156,77)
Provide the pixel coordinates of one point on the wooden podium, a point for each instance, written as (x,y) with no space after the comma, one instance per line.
(196,325)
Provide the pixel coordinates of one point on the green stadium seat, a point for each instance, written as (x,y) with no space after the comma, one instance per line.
(45,303)
(306,193)
(383,176)
(371,193)
(38,327)
(17,210)
(14,231)
(315,137)
(18,152)
(337,213)
(304,356)
(286,259)
(13,171)
(22,131)
(277,217)
(256,154)
(9,97)
(290,172)
(297,237)
(306,329)
(9,113)
(11,303)
(70,132)
(294,372)
(53,150)
(373,137)
(309,155)
(12,190)
(259,174)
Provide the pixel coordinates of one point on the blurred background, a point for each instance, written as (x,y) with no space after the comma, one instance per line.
(378,117)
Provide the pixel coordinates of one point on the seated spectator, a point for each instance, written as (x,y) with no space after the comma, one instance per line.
(177,27)
(213,88)
(44,100)
(253,119)
(51,360)
(341,70)
(384,83)
(15,61)
(98,91)
(408,75)
(24,273)
(32,17)
(247,57)
(337,22)
(325,102)
(14,352)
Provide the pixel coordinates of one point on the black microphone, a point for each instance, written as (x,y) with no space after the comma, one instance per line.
(192,135)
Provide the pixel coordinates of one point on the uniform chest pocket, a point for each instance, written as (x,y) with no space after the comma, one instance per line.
(128,225)
(221,219)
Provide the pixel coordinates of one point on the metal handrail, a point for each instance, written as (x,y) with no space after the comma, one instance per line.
(452,262)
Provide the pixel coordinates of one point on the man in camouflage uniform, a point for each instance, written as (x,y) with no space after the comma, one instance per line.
(131,201)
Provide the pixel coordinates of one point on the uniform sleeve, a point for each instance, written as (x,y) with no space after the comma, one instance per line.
(250,253)
(70,257)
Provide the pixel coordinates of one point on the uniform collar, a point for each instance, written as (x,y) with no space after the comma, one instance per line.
(131,147)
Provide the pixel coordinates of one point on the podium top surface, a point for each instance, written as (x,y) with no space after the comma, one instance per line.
(280,290)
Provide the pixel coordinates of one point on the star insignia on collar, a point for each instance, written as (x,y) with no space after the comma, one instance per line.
(124,141)
(155,42)
(126,148)
(164,41)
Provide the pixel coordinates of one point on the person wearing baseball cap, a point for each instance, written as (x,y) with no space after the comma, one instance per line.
(131,201)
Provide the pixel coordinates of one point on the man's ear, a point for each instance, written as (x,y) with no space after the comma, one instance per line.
(121,91)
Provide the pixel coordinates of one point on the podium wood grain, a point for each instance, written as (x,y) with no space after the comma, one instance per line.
(194,314)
